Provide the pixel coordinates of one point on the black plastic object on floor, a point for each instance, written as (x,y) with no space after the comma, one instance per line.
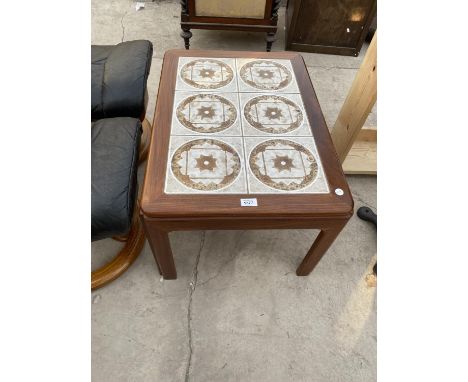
(365,213)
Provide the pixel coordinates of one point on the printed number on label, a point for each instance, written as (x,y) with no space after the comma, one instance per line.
(249,202)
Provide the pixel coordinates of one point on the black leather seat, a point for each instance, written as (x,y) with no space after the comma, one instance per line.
(118,79)
(118,87)
(114,163)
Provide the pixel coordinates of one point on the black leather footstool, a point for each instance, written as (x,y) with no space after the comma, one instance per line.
(114,164)
(118,83)
(114,160)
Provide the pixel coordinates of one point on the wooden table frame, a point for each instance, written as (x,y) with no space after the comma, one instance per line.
(162,213)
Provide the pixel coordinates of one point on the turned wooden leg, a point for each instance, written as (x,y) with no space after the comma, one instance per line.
(321,244)
(161,248)
(270,39)
(186,34)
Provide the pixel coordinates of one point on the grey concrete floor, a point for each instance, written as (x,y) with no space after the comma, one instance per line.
(237,312)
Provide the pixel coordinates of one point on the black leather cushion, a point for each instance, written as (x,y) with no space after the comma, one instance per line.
(118,79)
(114,161)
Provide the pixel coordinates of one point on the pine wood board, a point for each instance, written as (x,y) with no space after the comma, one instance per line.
(362,158)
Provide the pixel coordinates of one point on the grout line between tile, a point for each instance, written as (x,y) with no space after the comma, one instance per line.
(257,138)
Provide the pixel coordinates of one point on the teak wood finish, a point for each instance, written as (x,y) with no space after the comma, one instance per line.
(328,26)
(127,255)
(146,135)
(268,24)
(162,213)
(145,141)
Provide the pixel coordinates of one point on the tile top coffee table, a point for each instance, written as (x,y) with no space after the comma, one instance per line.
(239,142)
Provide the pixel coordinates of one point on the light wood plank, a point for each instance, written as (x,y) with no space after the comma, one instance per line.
(358,104)
(362,158)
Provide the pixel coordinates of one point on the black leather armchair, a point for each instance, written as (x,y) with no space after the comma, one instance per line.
(118,87)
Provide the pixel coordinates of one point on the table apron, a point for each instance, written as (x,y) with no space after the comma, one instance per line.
(243,224)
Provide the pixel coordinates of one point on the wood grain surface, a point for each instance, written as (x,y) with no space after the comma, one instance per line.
(328,26)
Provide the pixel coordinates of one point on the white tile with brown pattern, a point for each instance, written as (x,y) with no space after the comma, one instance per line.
(239,126)
(200,164)
(206,74)
(260,75)
(206,113)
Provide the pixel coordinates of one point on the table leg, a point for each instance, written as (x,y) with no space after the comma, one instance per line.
(321,244)
(161,248)
(186,35)
(270,39)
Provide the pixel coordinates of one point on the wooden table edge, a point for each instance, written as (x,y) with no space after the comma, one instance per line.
(154,211)
(160,205)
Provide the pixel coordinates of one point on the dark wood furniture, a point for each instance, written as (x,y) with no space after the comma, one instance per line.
(241,15)
(163,212)
(328,26)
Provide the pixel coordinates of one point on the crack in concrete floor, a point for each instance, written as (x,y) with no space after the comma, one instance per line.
(123,26)
(192,287)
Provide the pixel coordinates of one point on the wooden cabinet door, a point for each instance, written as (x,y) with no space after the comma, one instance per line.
(329,26)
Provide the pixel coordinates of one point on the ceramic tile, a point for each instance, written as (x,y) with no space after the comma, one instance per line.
(239,127)
(206,113)
(261,75)
(284,165)
(273,115)
(205,164)
(206,74)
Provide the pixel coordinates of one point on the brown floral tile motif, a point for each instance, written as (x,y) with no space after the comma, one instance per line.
(206,164)
(283,165)
(265,75)
(273,114)
(206,113)
(206,74)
